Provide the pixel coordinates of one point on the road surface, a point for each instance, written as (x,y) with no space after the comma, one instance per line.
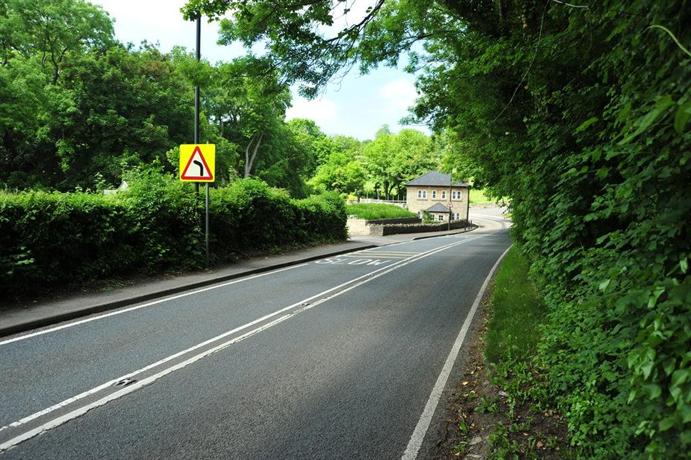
(335,358)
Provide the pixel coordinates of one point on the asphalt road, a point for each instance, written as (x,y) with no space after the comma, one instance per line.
(334,358)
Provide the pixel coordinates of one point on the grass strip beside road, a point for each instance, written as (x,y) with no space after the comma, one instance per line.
(372,211)
(516,313)
(478,196)
(500,408)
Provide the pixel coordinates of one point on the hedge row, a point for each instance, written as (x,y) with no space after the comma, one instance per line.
(49,239)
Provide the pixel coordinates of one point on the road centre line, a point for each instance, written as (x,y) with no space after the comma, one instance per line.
(299,307)
(183,352)
(371,256)
(126,390)
(148,304)
(415,442)
(379,254)
(158,301)
(370,251)
(391,253)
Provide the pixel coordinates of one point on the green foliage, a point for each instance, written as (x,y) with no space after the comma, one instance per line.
(601,206)
(50,239)
(393,159)
(244,217)
(341,172)
(479,196)
(487,405)
(75,104)
(373,211)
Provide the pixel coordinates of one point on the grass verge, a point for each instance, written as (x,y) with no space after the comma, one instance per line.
(371,211)
(516,313)
(499,409)
(477,196)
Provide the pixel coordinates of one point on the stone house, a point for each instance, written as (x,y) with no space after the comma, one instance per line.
(436,194)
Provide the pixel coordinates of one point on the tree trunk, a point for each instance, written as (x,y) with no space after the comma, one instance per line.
(249,158)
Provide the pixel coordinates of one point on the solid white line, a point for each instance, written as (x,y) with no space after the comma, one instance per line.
(139,384)
(148,304)
(422,426)
(94,390)
(130,388)
(372,251)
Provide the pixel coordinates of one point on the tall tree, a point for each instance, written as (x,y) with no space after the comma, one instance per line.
(248,103)
(52,29)
(343,169)
(37,39)
(393,159)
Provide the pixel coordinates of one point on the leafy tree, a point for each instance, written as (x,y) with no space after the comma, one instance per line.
(37,39)
(52,30)
(393,159)
(453,158)
(136,120)
(317,145)
(341,143)
(341,173)
(247,103)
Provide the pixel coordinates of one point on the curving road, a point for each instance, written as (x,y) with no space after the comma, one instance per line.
(335,358)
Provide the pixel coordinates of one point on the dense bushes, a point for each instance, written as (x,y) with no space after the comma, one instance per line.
(249,215)
(580,114)
(48,239)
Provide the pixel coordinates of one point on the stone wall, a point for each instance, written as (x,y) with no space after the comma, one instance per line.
(362,227)
(383,227)
(393,229)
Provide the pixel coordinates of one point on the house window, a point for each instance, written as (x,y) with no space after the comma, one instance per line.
(422,194)
(440,217)
(443,194)
(456,195)
(456,216)
(434,194)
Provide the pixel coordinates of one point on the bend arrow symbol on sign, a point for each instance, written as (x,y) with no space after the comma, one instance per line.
(201,167)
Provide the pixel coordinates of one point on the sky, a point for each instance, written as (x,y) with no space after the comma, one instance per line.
(355,105)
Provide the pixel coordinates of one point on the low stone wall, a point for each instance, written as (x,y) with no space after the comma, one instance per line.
(400,220)
(364,227)
(357,227)
(383,227)
(393,229)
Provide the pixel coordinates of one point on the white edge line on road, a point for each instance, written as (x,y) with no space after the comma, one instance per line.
(422,426)
(359,281)
(144,305)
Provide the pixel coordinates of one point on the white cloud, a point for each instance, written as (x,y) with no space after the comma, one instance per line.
(323,110)
(160,21)
(399,93)
(357,105)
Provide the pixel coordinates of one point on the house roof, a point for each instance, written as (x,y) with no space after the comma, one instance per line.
(435,179)
(438,207)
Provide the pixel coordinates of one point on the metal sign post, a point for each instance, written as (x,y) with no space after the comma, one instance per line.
(196,91)
(198,164)
(196,141)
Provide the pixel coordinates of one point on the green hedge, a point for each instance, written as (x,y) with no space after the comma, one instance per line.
(51,239)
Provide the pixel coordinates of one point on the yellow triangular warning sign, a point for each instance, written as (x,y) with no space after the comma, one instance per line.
(196,167)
